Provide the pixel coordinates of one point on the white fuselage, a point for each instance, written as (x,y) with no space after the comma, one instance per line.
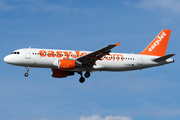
(32,57)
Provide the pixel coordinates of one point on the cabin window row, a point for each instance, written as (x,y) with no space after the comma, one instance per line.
(55,54)
(119,58)
(80,56)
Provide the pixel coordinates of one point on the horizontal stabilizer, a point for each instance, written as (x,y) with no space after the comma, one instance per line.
(163,58)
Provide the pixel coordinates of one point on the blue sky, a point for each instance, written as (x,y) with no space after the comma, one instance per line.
(152,93)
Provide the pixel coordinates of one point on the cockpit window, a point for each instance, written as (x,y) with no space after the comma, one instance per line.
(15,53)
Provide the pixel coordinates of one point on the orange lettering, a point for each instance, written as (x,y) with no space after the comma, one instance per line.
(42,53)
(73,56)
(51,54)
(59,54)
(107,58)
(67,55)
(118,57)
(76,55)
(84,53)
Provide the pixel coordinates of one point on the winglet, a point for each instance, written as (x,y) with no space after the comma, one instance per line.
(117,44)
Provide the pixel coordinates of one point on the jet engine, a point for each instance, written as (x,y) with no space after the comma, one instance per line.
(65,64)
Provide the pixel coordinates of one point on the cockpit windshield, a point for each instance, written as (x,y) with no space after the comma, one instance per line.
(16,52)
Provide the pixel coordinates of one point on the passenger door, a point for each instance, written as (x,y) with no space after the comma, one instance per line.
(28,53)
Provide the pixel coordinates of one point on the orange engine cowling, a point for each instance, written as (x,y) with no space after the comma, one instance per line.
(60,73)
(67,64)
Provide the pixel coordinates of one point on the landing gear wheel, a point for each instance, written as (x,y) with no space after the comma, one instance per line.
(27,70)
(26,74)
(87,74)
(82,79)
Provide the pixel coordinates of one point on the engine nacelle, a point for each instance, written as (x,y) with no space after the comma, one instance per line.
(65,64)
(60,73)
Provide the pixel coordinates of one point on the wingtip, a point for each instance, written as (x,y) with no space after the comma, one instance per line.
(117,44)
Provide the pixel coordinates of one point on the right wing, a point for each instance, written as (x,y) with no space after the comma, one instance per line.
(92,57)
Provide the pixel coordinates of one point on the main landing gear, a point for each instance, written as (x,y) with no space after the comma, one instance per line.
(82,79)
(27,70)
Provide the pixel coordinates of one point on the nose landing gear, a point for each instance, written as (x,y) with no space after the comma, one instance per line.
(82,79)
(27,70)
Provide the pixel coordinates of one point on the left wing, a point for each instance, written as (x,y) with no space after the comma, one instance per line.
(92,57)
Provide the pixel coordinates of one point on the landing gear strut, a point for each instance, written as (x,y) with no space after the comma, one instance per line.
(27,70)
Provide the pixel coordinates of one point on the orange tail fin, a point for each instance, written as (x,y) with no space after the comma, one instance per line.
(158,46)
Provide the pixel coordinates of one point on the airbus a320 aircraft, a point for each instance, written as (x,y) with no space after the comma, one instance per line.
(66,62)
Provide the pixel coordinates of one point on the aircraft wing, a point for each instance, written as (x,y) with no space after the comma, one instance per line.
(92,57)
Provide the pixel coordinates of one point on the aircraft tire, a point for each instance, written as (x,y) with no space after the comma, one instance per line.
(87,74)
(82,79)
(26,74)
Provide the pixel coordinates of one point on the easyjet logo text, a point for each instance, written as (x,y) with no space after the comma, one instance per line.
(76,54)
(157,42)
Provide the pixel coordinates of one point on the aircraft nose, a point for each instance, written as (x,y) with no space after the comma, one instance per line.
(7,59)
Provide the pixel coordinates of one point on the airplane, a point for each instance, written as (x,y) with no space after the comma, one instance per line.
(68,62)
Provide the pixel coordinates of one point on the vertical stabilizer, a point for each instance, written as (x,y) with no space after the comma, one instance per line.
(158,46)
